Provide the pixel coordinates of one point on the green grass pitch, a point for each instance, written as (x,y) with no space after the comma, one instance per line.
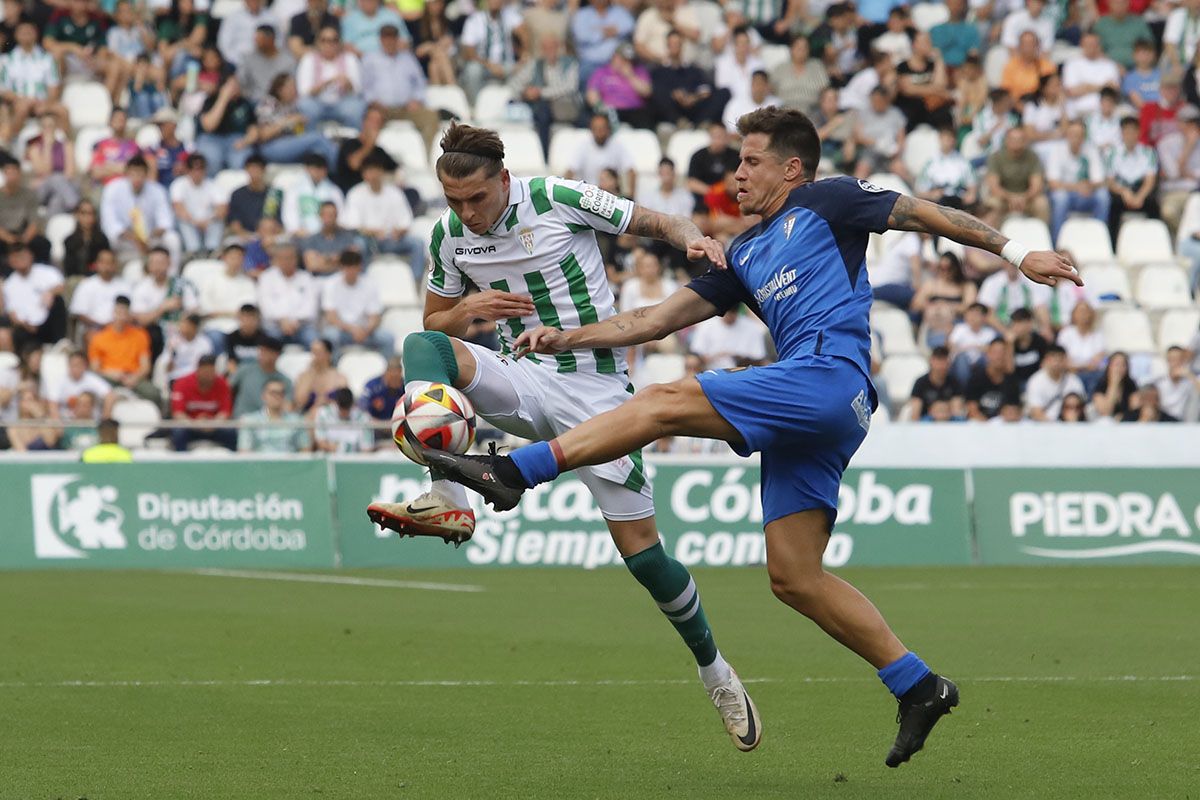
(1076,683)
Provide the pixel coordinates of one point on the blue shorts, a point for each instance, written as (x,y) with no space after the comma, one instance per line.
(807,416)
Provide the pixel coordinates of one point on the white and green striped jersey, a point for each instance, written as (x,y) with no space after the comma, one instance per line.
(543,245)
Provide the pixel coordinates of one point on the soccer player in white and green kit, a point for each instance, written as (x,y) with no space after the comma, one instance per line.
(529,245)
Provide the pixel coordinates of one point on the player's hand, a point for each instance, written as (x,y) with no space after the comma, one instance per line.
(540,340)
(1047,267)
(707,247)
(493,304)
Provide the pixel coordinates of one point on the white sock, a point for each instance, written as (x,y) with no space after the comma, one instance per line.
(716,673)
(453,493)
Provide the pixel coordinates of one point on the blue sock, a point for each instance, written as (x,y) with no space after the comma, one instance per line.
(903,674)
(536,463)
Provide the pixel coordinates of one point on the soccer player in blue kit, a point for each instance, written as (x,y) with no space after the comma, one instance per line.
(802,270)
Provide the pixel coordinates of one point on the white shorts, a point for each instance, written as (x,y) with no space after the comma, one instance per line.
(533,402)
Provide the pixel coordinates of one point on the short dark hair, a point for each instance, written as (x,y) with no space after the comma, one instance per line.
(978,307)
(158,248)
(761,73)
(467,149)
(121,300)
(271,343)
(108,426)
(941,351)
(248,308)
(1021,315)
(1109,93)
(350,258)
(315,159)
(375,161)
(196,160)
(137,162)
(195,319)
(1056,350)
(667,161)
(257,159)
(1130,122)
(791,132)
(207,361)
(343,397)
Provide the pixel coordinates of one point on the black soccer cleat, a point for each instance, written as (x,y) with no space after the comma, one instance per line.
(478,473)
(917,718)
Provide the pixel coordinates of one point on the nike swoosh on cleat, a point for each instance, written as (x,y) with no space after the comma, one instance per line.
(945,691)
(751,729)
(411,510)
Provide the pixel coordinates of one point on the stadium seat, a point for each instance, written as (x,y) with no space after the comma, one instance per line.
(1087,240)
(286,175)
(58,228)
(148,137)
(1178,327)
(133,271)
(994,63)
(24,136)
(644,147)
(394,279)
(293,362)
(920,147)
(88,104)
(422,228)
(880,417)
(683,145)
(491,106)
(1063,52)
(894,328)
(9,360)
(564,144)
(200,270)
(1190,222)
(1127,329)
(926,16)
(891,182)
(449,98)
(86,140)
(435,149)
(427,185)
(54,371)
(1108,283)
(1163,286)
(360,366)
(223,8)
(138,418)
(901,372)
(1029,231)
(405,144)
(400,322)
(522,152)
(970,148)
(660,368)
(1144,241)
(773,55)
(231,179)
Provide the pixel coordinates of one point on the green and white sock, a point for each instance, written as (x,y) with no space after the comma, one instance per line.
(429,356)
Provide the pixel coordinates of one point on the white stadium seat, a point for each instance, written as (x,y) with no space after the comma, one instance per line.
(901,372)
(1087,240)
(926,16)
(1029,231)
(491,106)
(773,55)
(660,368)
(422,228)
(522,152)
(643,146)
(88,104)
(564,144)
(148,137)
(449,98)
(894,328)
(1178,327)
(920,147)
(890,181)
(133,271)
(54,371)
(683,145)
(394,279)
(221,9)
(1190,222)
(286,175)
(9,360)
(427,185)
(138,420)
(58,228)
(400,322)
(994,63)
(230,180)
(86,140)
(405,144)
(1127,329)
(1144,241)
(293,362)
(360,366)
(1108,283)
(199,271)
(1163,286)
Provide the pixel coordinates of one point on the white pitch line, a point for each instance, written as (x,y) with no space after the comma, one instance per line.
(285,682)
(346,580)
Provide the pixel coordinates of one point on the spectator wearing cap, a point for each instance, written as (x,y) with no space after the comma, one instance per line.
(549,85)
(241,346)
(488,42)
(300,208)
(200,206)
(1120,31)
(329,81)
(31,83)
(159,299)
(992,384)
(1085,74)
(1048,386)
(285,432)
(1157,117)
(226,127)
(352,307)
(1075,175)
(33,299)
(202,395)
(1179,161)
(394,81)
(224,293)
(288,297)
(304,27)
(1016,181)
(596,31)
(248,203)
(93,299)
(19,212)
(382,393)
(282,135)
(248,382)
(1132,172)
(170,156)
(622,86)
(937,385)
(956,38)
(235,38)
(341,426)
(379,212)
(363,26)
(1181,35)
(120,353)
(185,347)
(321,251)
(263,63)
(601,151)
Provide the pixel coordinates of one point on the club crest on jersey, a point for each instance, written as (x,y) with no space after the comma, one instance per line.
(788,224)
(526,237)
(867,186)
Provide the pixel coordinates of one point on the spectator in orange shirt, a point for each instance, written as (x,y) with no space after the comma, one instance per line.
(725,219)
(120,353)
(1024,71)
(202,395)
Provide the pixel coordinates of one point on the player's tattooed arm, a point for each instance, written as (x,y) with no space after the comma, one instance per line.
(679,232)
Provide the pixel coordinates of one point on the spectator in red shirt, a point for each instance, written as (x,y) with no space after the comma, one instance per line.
(202,395)
(110,155)
(1157,119)
(725,219)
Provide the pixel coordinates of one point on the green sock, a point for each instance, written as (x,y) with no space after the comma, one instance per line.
(429,356)
(672,587)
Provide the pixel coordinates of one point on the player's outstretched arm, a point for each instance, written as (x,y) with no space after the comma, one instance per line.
(683,308)
(922,216)
(679,232)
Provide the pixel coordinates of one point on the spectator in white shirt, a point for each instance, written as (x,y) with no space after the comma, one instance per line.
(968,340)
(1048,386)
(1031,18)
(135,214)
(235,39)
(1179,389)
(199,205)
(185,347)
(94,297)
(1086,74)
(33,299)
(487,41)
(759,97)
(728,341)
(1075,175)
(64,393)
(159,299)
(378,210)
(222,295)
(1181,36)
(667,197)
(341,426)
(1006,290)
(288,298)
(734,67)
(602,152)
(894,277)
(352,308)
(301,205)
(329,80)
(1084,345)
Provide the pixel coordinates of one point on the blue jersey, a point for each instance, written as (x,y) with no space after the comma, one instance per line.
(803,270)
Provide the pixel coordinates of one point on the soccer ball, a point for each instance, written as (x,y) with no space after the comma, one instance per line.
(432,415)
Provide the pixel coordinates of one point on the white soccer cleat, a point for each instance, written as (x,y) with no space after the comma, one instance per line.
(426,515)
(738,713)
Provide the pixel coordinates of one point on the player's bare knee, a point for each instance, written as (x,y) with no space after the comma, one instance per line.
(661,403)
(801,590)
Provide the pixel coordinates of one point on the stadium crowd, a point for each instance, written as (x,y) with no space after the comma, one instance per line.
(219,209)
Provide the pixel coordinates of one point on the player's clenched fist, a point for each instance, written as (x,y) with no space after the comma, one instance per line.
(540,340)
(493,304)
